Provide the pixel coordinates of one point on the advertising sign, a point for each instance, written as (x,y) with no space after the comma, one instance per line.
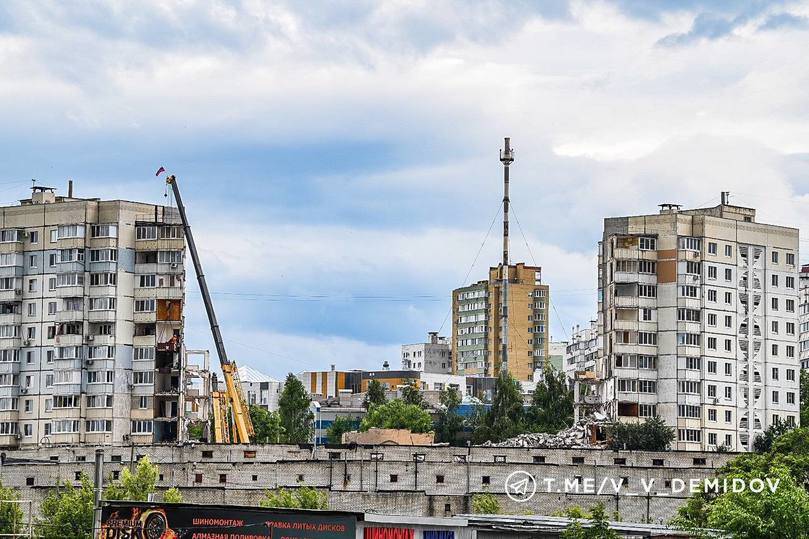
(181,521)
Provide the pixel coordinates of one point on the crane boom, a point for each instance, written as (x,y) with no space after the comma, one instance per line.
(243,430)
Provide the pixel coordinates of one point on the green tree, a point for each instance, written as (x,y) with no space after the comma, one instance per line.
(412,395)
(651,435)
(552,406)
(11,515)
(299,498)
(67,511)
(449,422)
(598,527)
(173,495)
(782,513)
(196,430)
(804,391)
(293,408)
(136,486)
(374,395)
(340,426)
(485,503)
(397,414)
(764,441)
(506,418)
(267,425)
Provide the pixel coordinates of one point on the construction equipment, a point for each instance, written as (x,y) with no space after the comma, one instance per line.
(231,417)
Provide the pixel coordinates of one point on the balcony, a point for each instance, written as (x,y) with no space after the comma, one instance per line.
(70,316)
(100,389)
(74,266)
(11,295)
(69,340)
(9,440)
(12,271)
(67,389)
(145,317)
(109,266)
(9,367)
(11,319)
(10,391)
(70,291)
(70,364)
(10,342)
(626,302)
(101,316)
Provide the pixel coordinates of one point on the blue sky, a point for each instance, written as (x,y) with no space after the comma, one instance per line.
(339,160)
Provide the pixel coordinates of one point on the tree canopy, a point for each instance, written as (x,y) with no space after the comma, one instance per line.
(397,414)
(299,498)
(293,409)
(782,513)
(651,435)
(340,426)
(375,394)
(412,395)
(67,511)
(267,425)
(136,486)
(506,418)
(552,406)
(598,527)
(11,514)
(449,423)
(485,503)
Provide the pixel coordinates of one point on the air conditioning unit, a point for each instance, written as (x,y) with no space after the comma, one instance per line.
(18,436)
(18,291)
(24,391)
(130,386)
(89,362)
(26,342)
(174,265)
(89,338)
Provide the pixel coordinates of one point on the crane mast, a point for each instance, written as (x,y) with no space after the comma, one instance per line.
(240,416)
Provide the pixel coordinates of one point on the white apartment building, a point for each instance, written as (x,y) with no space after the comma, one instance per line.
(433,356)
(804,317)
(582,350)
(91,321)
(700,317)
(260,389)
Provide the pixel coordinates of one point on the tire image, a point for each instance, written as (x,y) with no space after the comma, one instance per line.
(155,526)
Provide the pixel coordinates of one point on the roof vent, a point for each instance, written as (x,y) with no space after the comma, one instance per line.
(669,208)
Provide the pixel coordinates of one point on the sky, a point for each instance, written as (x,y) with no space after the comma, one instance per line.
(339,160)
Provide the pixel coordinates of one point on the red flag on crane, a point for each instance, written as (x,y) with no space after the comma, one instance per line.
(160,171)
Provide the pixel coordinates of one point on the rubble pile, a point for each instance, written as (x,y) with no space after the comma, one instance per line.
(579,436)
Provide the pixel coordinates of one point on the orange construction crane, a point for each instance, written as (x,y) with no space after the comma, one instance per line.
(238,428)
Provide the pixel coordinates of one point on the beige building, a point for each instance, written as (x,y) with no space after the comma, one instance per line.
(91,321)
(476,324)
(700,318)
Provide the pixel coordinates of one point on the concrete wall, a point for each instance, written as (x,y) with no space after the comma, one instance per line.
(382,479)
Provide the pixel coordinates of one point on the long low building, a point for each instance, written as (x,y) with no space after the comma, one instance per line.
(426,481)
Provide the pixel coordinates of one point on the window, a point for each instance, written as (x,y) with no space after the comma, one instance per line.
(647,266)
(33,236)
(627,386)
(689,411)
(70,231)
(711,343)
(647,386)
(65,426)
(775,349)
(728,393)
(144,305)
(32,285)
(646,362)
(69,279)
(791,259)
(645,337)
(647,244)
(774,304)
(695,363)
(774,280)
(790,328)
(692,315)
(689,386)
(688,291)
(774,326)
(711,248)
(647,291)
(711,272)
(645,314)
(170,257)
(104,231)
(690,244)
(689,435)
(775,257)
(790,397)
(142,377)
(790,351)
(790,305)
(32,309)
(775,397)
(711,294)
(728,298)
(9,355)
(791,375)
(99,401)
(147,281)
(695,268)
(711,319)
(100,352)
(647,410)
(143,403)
(146,232)
(102,304)
(103,255)
(103,279)
(728,369)
(144,353)
(10,236)
(728,345)
(145,427)
(99,425)
(728,250)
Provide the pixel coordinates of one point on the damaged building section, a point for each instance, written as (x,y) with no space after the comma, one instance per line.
(584,434)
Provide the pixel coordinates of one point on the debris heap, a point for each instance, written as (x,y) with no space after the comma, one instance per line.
(582,435)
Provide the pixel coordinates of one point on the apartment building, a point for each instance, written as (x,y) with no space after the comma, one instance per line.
(804,316)
(476,332)
(700,314)
(91,321)
(260,389)
(432,356)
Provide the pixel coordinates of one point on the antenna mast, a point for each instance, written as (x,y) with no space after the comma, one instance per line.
(506,157)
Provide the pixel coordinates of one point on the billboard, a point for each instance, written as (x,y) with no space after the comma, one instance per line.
(128,520)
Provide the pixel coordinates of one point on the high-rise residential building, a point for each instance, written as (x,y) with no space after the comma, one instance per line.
(431,356)
(700,317)
(91,321)
(803,306)
(476,332)
(556,355)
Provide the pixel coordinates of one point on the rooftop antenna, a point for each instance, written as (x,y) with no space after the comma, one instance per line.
(506,157)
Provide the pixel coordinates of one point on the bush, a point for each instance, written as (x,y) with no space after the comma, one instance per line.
(300,498)
(651,435)
(485,503)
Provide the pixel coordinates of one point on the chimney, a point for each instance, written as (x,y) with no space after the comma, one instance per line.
(332,366)
(433,336)
(725,198)
(69,188)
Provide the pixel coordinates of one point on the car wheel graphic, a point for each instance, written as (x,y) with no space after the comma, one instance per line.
(155,526)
